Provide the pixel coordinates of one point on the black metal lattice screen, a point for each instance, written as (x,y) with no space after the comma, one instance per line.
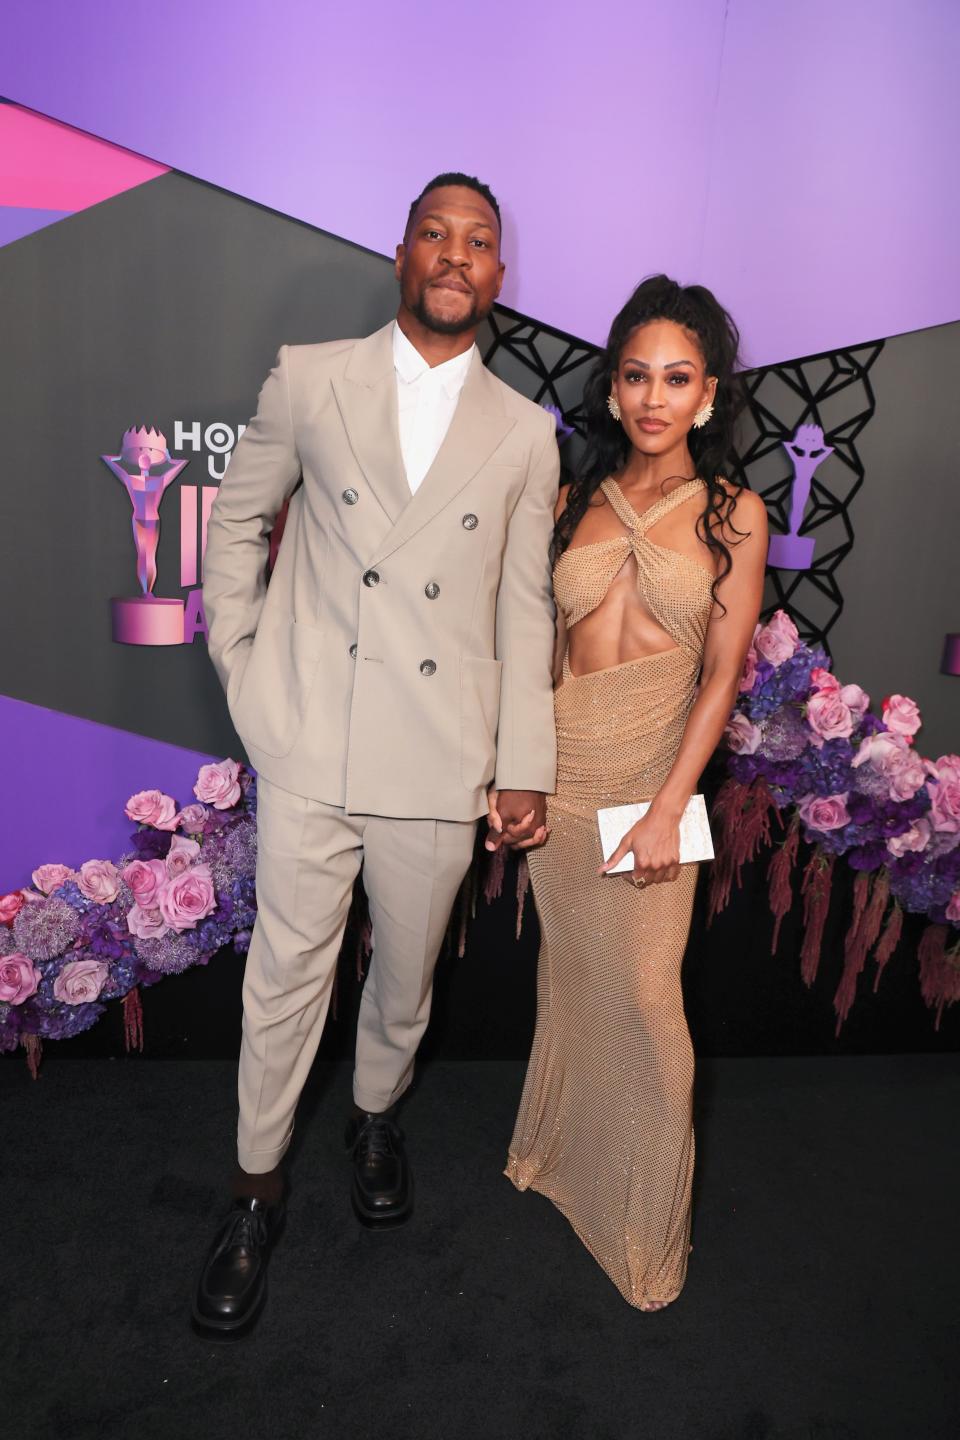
(832,391)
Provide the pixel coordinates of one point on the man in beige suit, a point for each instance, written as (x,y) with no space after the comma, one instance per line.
(397,664)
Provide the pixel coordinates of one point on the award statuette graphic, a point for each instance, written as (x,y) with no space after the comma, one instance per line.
(794,551)
(145,469)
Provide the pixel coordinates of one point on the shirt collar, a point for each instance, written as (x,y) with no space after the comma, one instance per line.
(411,366)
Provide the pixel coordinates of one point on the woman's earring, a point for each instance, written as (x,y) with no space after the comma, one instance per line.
(613,405)
(703,416)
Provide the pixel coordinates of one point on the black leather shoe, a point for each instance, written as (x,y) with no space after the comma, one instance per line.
(382,1192)
(233,1282)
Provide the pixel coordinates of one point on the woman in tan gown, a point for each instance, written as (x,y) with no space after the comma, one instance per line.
(658,577)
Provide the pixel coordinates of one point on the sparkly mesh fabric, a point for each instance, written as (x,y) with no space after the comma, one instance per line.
(604,1129)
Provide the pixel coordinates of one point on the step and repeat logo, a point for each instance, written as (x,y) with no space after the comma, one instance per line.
(146,469)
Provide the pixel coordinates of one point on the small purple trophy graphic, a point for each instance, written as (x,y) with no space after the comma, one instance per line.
(145,469)
(794,551)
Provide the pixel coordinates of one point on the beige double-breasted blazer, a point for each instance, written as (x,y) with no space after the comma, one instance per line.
(400,657)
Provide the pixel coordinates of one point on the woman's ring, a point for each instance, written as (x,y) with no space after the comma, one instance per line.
(639,881)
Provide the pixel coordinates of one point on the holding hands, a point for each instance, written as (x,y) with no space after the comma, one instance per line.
(517,818)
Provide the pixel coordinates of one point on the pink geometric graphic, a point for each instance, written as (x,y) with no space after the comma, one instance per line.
(49,171)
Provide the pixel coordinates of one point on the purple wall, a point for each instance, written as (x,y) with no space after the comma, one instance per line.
(65,784)
(801,159)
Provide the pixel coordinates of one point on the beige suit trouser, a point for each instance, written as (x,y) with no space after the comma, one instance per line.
(308,857)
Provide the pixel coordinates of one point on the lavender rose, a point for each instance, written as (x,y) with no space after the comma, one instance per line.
(778,639)
(915,839)
(217,784)
(48,878)
(824,812)
(828,716)
(945,794)
(146,923)
(741,735)
(19,979)
(81,981)
(152,807)
(192,819)
(99,880)
(187,898)
(181,854)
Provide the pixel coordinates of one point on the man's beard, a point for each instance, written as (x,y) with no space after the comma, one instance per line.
(440,326)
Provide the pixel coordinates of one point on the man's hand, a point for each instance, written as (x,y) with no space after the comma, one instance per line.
(517,818)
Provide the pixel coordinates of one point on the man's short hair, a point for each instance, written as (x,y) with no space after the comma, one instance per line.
(456,177)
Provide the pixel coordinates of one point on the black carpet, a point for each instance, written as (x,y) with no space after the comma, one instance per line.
(822,1299)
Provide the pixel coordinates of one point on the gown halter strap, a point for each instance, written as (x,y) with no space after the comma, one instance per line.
(638,525)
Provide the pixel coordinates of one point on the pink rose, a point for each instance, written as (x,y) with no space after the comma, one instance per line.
(217,784)
(778,639)
(856,700)
(144,878)
(953,908)
(181,854)
(741,735)
(822,680)
(828,716)
(18,978)
(915,839)
(48,877)
(906,775)
(81,981)
(10,906)
(146,924)
(192,819)
(901,715)
(152,807)
(824,812)
(945,794)
(187,898)
(99,880)
(877,750)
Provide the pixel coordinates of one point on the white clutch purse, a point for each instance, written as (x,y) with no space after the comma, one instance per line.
(696,842)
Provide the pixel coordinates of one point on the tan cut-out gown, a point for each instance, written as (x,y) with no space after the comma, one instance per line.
(605,1125)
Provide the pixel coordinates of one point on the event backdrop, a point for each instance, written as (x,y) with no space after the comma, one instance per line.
(800,159)
(163,306)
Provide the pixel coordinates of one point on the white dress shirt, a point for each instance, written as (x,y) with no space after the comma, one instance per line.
(426,400)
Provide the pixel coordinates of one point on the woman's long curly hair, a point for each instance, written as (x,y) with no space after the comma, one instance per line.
(608,448)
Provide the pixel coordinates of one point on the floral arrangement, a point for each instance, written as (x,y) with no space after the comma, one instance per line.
(78,938)
(851,784)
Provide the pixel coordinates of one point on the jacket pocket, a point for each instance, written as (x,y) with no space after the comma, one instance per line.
(479,716)
(270,704)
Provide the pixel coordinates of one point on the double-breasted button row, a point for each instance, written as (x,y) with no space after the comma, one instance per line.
(371,578)
(350,497)
(469,522)
(353,651)
(428,667)
(431,590)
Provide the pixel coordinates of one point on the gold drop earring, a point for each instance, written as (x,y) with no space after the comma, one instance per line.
(613,405)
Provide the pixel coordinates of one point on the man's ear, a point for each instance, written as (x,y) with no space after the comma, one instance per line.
(500,274)
(399,259)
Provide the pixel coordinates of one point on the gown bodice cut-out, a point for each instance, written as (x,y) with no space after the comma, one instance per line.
(676,590)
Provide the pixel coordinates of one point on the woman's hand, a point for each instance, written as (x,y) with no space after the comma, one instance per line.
(655,842)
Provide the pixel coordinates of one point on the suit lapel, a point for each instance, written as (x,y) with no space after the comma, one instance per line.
(367,399)
(478,426)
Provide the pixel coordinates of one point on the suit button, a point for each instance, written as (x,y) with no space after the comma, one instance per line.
(469,522)
(432,590)
(370,577)
(428,667)
(353,652)
(350,497)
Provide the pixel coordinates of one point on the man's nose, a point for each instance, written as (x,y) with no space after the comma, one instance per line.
(456,254)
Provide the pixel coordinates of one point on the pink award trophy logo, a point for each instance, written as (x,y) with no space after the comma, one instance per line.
(808,451)
(145,468)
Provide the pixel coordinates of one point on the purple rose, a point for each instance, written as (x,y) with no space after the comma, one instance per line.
(825,813)
(741,735)
(777,640)
(181,854)
(146,923)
